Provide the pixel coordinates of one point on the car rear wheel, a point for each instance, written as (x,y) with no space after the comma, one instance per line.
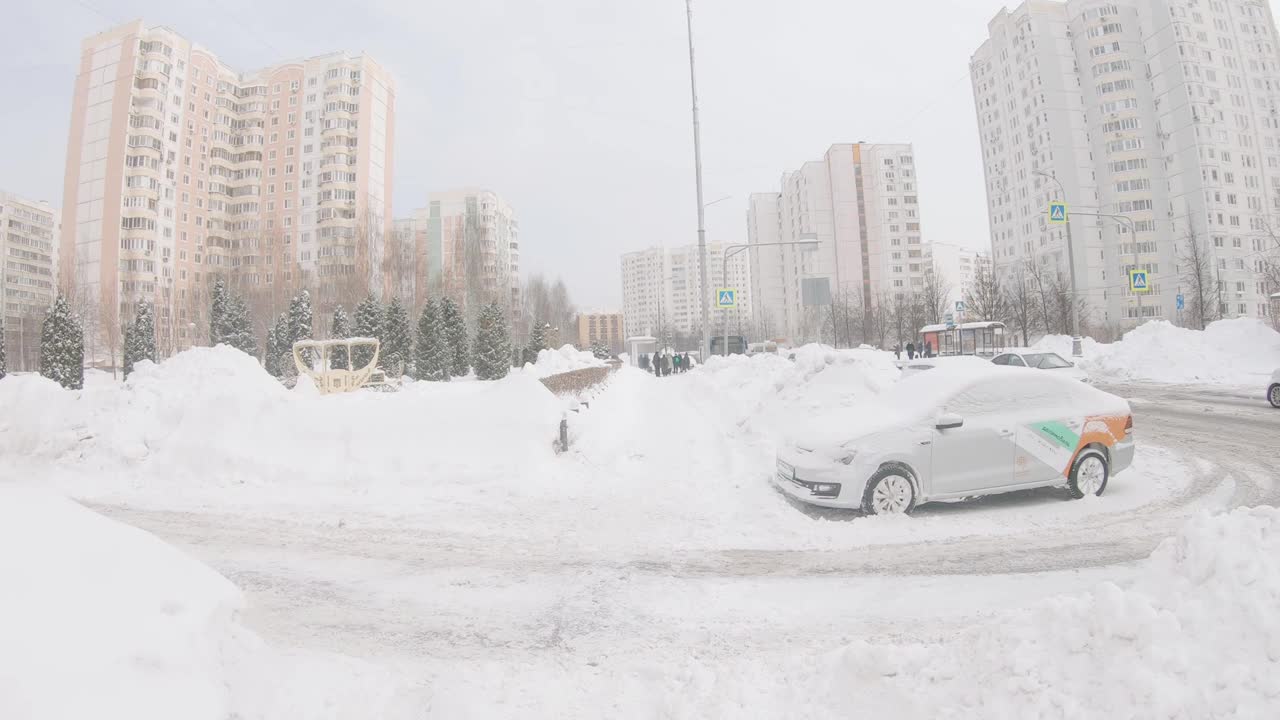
(890,492)
(1273,395)
(1089,475)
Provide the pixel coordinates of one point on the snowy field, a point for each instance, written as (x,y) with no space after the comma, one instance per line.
(426,553)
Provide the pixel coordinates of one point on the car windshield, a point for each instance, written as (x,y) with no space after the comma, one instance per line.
(1046,361)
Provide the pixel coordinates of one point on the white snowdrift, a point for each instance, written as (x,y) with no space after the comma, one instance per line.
(1242,352)
(101,620)
(565,359)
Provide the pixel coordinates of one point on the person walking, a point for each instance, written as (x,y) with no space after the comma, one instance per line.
(911,351)
(675,360)
(897,352)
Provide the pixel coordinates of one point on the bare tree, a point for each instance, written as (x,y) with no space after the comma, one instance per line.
(879,319)
(1197,274)
(986,300)
(934,295)
(1022,305)
(1040,280)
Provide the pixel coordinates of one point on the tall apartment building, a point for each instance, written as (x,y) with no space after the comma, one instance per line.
(181,169)
(1166,112)
(661,291)
(602,327)
(957,266)
(861,202)
(29,246)
(466,245)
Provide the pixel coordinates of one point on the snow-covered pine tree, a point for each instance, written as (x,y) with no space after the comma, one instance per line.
(139,337)
(238,328)
(279,348)
(431,356)
(493,344)
(299,321)
(218,313)
(339,329)
(537,340)
(62,346)
(397,339)
(600,350)
(455,334)
(369,317)
(2,365)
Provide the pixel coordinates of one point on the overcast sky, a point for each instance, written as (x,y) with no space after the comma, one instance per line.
(577,111)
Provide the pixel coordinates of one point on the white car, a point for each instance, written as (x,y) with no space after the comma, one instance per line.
(1273,390)
(961,431)
(1041,360)
(921,364)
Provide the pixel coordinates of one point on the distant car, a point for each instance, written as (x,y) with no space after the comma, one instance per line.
(1041,360)
(1273,392)
(961,431)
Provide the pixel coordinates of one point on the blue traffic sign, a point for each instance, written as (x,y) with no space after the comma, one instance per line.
(1057,212)
(1181,304)
(726,298)
(1138,282)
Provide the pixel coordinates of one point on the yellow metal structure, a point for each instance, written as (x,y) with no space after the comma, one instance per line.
(315,358)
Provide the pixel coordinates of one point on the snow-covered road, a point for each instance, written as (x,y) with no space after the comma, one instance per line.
(398,591)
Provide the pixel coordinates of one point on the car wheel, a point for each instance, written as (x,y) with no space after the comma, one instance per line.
(1089,475)
(890,492)
(1273,394)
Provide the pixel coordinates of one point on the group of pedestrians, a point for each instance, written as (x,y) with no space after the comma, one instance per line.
(925,351)
(664,363)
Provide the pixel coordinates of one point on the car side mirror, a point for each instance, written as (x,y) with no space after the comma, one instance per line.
(949,421)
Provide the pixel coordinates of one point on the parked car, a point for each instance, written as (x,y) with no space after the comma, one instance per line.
(921,364)
(961,431)
(1273,391)
(1041,360)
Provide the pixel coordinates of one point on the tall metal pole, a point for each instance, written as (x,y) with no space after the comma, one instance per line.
(1071,260)
(697,169)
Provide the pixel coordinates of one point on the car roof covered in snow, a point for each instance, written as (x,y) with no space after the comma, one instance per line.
(925,393)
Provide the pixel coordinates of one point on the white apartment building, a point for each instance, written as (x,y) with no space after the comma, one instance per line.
(661,291)
(181,169)
(1166,112)
(957,266)
(466,245)
(861,202)
(29,246)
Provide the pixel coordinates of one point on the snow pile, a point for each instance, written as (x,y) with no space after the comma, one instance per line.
(210,419)
(101,620)
(566,359)
(1196,636)
(1241,352)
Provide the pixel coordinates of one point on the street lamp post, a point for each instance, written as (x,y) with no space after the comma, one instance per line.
(1071,263)
(730,250)
(697,171)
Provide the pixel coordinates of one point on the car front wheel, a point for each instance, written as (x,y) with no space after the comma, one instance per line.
(890,492)
(1089,474)
(1273,394)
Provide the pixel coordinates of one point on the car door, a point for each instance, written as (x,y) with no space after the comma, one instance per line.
(978,454)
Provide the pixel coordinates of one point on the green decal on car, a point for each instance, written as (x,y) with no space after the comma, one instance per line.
(1058,433)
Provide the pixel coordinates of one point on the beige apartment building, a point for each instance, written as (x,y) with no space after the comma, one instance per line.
(29,246)
(181,169)
(600,327)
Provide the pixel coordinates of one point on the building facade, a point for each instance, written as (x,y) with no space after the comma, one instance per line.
(181,169)
(661,292)
(957,267)
(600,327)
(861,203)
(1164,112)
(29,245)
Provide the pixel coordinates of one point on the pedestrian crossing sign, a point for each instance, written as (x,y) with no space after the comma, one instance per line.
(1138,282)
(726,298)
(1058,212)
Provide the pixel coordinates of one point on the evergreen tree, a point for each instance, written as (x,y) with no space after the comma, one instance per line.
(397,339)
(271,359)
(537,340)
(139,337)
(368,325)
(600,350)
(299,319)
(455,334)
(493,343)
(279,361)
(2,365)
(238,328)
(340,329)
(432,350)
(218,313)
(62,346)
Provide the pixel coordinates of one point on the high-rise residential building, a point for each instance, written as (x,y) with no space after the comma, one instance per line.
(602,327)
(181,169)
(466,244)
(957,268)
(861,203)
(661,293)
(1165,112)
(29,246)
